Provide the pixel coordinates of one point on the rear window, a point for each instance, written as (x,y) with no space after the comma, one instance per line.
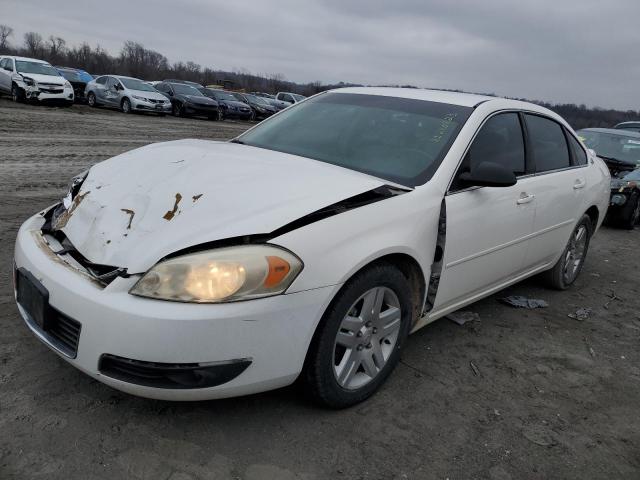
(398,139)
(548,144)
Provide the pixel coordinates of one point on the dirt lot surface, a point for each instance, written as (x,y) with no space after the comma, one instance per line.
(518,394)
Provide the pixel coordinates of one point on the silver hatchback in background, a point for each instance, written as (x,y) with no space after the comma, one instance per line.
(126,94)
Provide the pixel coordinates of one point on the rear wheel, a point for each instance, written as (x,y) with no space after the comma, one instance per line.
(357,344)
(91,100)
(17,95)
(566,270)
(126,106)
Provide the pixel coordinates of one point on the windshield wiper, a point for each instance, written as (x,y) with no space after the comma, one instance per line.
(235,140)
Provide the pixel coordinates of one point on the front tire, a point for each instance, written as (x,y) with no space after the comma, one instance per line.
(126,106)
(631,213)
(91,100)
(358,342)
(17,95)
(178,110)
(565,272)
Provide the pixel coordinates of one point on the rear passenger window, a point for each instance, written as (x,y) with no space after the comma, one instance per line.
(548,144)
(101,80)
(498,141)
(579,155)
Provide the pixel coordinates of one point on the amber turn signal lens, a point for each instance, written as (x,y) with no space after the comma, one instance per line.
(278,269)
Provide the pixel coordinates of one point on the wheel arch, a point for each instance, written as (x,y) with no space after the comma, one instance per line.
(594,214)
(406,264)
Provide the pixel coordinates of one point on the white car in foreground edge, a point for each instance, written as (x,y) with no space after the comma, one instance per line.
(310,246)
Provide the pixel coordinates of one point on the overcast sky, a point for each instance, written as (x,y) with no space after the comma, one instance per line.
(579,51)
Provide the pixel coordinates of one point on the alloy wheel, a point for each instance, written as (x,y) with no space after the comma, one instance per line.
(575,253)
(366,338)
(91,100)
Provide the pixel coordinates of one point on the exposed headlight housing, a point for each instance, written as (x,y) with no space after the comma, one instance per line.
(28,81)
(221,275)
(67,84)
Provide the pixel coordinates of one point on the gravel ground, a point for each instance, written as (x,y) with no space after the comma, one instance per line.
(518,394)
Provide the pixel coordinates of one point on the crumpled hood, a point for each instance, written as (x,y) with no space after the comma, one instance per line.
(138,207)
(39,78)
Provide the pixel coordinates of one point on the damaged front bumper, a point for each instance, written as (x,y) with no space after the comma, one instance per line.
(40,92)
(122,339)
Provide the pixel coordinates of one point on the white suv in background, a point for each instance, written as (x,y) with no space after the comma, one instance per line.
(289,98)
(28,78)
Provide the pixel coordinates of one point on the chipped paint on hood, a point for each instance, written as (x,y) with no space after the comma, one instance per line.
(161,198)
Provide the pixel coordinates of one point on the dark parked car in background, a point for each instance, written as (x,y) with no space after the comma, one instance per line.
(230,106)
(187,100)
(620,149)
(78,80)
(186,82)
(260,107)
(633,126)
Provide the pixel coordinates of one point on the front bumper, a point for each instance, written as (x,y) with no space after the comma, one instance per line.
(144,106)
(272,333)
(45,93)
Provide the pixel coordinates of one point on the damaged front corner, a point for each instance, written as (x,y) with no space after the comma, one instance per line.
(62,220)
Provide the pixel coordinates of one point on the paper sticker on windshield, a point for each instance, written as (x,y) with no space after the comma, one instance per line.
(634,142)
(445,123)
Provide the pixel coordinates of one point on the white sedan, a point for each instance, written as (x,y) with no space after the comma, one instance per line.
(307,248)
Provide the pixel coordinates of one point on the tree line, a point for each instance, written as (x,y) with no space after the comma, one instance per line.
(137,61)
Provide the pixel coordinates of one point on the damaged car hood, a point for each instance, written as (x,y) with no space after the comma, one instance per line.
(136,208)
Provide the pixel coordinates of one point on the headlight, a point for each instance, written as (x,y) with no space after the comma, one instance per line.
(221,275)
(140,98)
(28,81)
(67,84)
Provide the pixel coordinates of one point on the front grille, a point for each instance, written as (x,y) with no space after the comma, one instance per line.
(50,90)
(152,100)
(64,331)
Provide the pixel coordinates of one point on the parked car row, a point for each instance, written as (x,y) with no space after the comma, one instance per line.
(31,79)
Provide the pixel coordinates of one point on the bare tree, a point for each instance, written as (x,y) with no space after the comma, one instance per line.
(5,32)
(57,47)
(33,43)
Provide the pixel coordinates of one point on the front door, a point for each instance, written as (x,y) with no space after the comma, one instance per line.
(487,227)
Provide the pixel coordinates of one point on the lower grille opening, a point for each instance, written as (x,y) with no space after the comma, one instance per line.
(65,330)
(171,375)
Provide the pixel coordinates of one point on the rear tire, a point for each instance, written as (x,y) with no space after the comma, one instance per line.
(353,352)
(565,272)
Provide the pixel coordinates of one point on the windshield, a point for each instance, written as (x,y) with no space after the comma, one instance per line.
(220,95)
(398,139)
(182,89)
(629,176)
(135,84)
(613,145)
(23,66)
(633,126)
(259,100)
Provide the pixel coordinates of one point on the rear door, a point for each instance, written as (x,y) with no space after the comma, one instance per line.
(99,88)
(487,227)
(111,95)
(559,185)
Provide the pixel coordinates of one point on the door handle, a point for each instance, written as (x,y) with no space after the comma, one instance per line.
(579,184)
(525,198)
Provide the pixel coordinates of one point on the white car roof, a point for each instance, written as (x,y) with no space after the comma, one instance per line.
(26,59)
(440,96)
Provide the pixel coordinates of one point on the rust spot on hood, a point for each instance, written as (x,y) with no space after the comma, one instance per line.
(195,198)
(131,214)
(62,220)
(172,213)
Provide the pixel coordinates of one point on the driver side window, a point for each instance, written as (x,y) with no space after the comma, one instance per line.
(500,140)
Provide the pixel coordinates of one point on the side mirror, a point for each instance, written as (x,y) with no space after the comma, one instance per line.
(489,174)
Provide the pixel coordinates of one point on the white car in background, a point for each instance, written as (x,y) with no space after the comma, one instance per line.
(32,79)
(289,98)
(307,248)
